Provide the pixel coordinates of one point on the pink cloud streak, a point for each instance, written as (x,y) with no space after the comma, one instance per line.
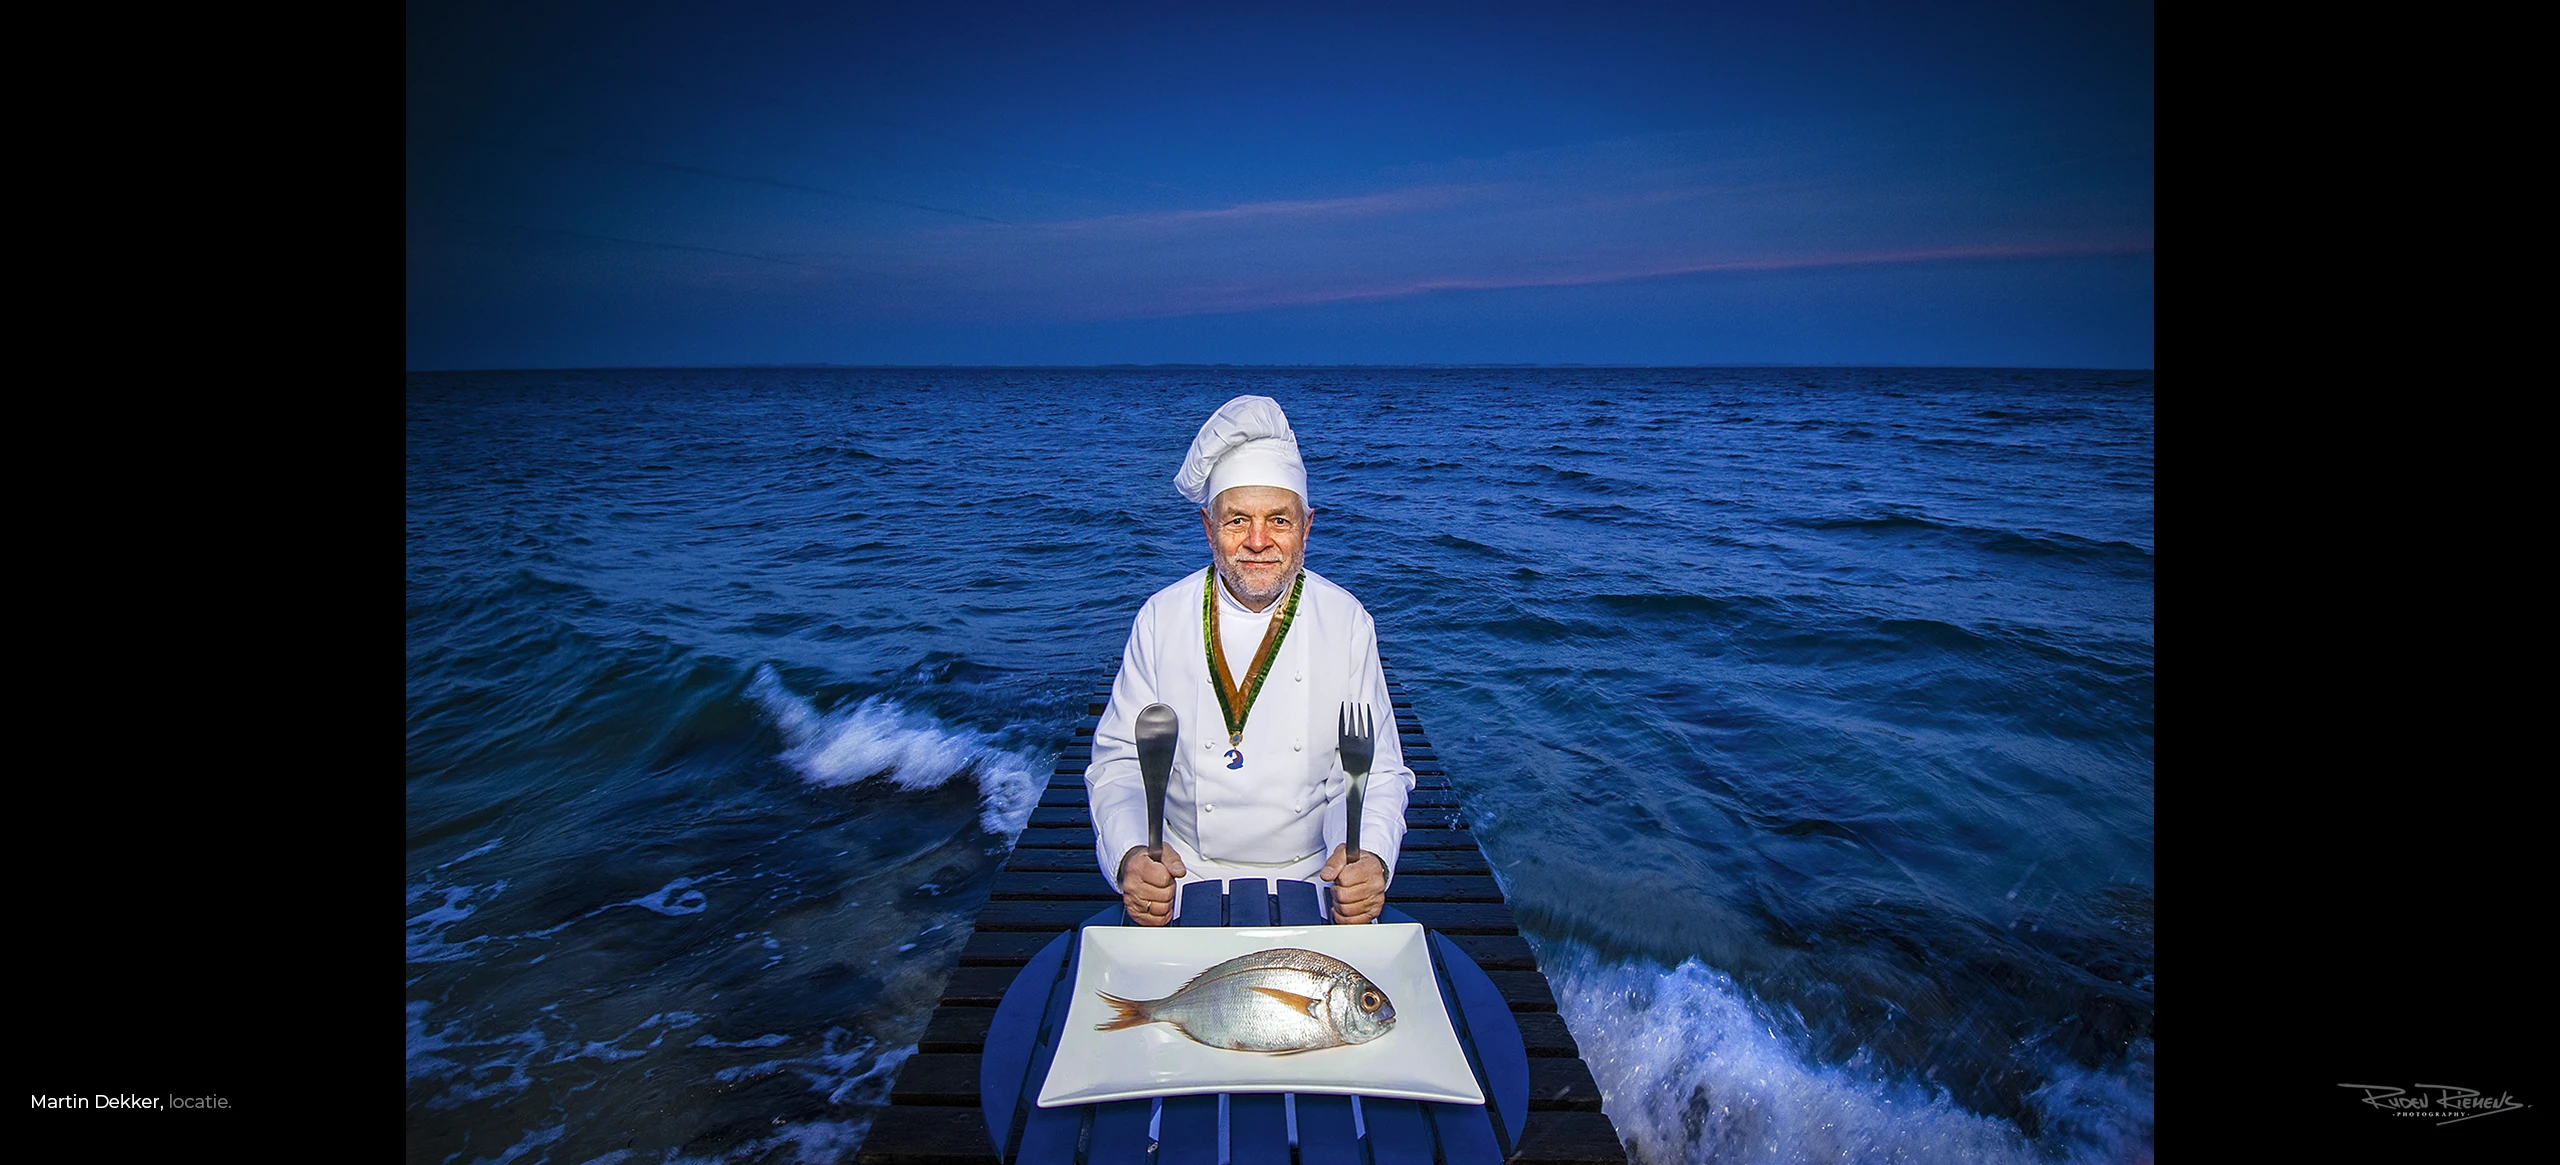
(1423,286)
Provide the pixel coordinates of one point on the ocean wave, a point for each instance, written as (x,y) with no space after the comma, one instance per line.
(878,739)
(1695,1069)
(2041,544)
(426,929)
(1876,524)
(1679,604)
(1453,542)
(455,1068)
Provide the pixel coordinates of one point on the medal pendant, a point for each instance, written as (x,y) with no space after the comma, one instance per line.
(1235,700)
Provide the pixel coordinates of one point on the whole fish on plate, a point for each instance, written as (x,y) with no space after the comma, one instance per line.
(1280,1001)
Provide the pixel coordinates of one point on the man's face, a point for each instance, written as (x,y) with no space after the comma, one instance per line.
(1258,538)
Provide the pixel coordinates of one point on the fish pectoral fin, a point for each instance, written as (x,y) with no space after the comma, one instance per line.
(1306,1004)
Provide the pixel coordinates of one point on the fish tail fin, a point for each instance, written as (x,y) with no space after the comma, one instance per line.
(1132,1013)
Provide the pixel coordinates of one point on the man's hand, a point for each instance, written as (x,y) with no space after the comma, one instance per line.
(1146,885)
(1359,888)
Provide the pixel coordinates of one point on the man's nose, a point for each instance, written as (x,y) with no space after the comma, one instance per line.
(1257,537)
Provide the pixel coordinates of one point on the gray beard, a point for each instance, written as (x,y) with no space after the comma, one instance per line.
(1233,580)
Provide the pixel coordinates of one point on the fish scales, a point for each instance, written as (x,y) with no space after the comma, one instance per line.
(1280,1001)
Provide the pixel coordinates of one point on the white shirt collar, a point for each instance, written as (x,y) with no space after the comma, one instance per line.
(1228,605)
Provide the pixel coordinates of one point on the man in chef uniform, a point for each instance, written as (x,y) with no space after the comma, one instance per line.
(1257,788)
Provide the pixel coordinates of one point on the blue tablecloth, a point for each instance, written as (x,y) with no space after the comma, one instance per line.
(1024,1036)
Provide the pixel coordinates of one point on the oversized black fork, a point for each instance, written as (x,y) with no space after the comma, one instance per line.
(1359,747)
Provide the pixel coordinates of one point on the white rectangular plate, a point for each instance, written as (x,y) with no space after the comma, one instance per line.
(1419,1059)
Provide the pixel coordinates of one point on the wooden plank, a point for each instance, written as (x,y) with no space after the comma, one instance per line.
(1465,860)
(1544,1034)
(1000,948)
(956,1029)
(1120,1131)
(1523,990)
(1058,861)
(1497,952)
(1299,904)
(1569,1138)
(1202,906)
(1059,838)
(920,1135)
(1189,1131)
(1084,883)
(978,986)
(1325,1133)
(1432,839)
(1248,902)
(1559,1084)
(1464,1131)
(1257,1129)
(1398,1135)
(1412,886)
(1463,917)
(928,1078)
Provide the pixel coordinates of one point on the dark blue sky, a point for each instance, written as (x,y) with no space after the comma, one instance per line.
(1820,183)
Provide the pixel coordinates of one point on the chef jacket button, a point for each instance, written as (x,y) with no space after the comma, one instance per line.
(1208,808)
(1297,746)
(1298,677)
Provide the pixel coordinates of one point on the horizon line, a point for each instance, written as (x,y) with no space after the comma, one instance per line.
(1176,364)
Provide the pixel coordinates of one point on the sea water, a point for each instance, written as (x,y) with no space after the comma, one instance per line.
(1805,716)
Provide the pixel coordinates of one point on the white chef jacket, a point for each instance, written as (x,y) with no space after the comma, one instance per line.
(1281,814)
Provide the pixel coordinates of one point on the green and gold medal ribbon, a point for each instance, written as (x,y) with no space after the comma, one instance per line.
(1236,700)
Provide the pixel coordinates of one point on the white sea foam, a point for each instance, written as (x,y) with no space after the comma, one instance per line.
(673,898)
(767,1040)
(467,1067)
(878,739)
(846,1068)
(532,1140)
(426,941)
(2099,1115)
(1692,1069)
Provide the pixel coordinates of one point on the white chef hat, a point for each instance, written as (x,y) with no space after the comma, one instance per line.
(1246,442)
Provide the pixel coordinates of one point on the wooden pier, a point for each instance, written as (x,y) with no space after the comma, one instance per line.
(1049,884)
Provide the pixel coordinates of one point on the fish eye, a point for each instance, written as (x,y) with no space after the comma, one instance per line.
(1368,1001)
